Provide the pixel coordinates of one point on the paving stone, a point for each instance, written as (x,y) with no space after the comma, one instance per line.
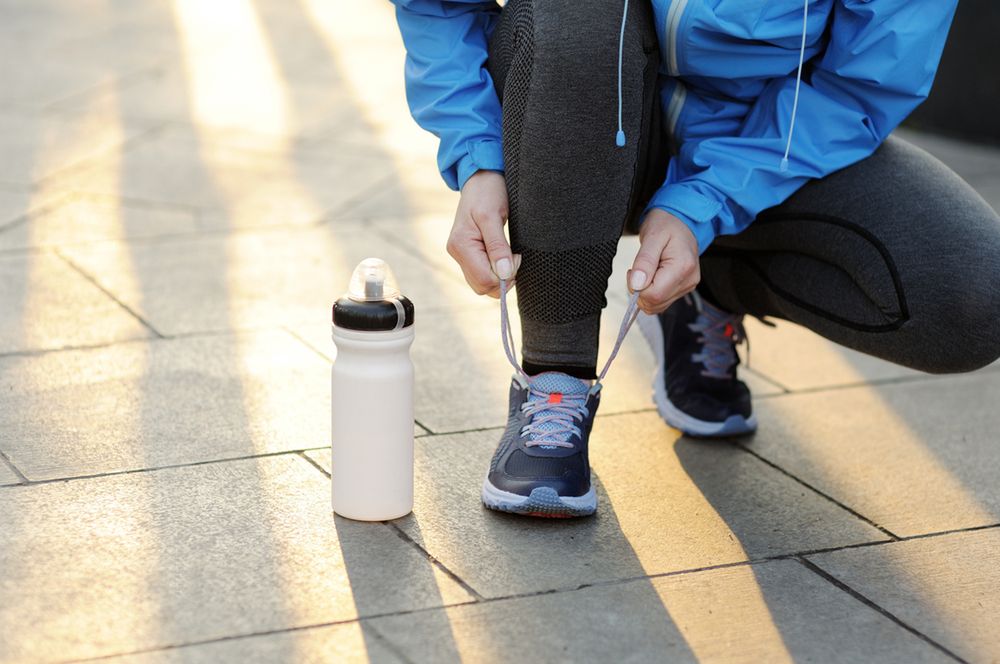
(944,587)
(7,475)
(38,81)
(417,192)
(356,47)
(48,305)
(149,560)
(773,612)
(152,404)
(664,505)
(799,359)
(14,205)
(37,146)
(167,95)
(345,643)
(915,457)
(266,278)
(249,188)
(92,218)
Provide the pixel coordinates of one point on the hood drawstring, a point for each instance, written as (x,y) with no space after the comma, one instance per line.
(798,83)
(620,136)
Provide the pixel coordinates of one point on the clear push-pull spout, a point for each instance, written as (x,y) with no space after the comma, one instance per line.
(373,281)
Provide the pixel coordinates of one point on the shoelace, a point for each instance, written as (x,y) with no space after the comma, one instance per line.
(561,416)
(720,332)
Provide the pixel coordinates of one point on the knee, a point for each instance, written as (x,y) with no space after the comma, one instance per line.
(961,327)
(567,35)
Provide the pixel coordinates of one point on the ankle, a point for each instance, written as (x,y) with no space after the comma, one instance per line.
(581,372)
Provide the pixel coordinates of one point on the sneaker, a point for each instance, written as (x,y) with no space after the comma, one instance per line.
(541,467)
(695,388)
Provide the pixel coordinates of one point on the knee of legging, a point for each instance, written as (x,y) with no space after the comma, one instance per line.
(959,331)
(567,36)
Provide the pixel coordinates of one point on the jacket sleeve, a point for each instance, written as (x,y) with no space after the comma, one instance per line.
(449,90)
(878,65)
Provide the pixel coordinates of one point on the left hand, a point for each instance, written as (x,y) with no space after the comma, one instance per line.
(666,267)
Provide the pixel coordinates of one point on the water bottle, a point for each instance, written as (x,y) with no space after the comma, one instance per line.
(372,398)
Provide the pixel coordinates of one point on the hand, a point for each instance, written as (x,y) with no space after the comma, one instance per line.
(477,242)
(666,267)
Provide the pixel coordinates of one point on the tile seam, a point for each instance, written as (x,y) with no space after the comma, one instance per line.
(93,281)
(847,589)
(517,596)
(822,494)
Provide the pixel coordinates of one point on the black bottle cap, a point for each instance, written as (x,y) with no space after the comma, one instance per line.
(377,316)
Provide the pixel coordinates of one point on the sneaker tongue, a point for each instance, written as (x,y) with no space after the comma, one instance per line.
(553,381)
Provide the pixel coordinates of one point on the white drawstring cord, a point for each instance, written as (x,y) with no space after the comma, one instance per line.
(620,136)
(798,82)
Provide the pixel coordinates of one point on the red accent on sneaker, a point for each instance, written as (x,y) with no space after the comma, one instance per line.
(555,397)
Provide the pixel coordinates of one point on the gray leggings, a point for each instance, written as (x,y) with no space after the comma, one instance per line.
(894,256)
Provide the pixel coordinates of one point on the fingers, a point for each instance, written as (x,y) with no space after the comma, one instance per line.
(495,242)
(666,266)
(468,247)
(477,240)
(677,275)
(646,262)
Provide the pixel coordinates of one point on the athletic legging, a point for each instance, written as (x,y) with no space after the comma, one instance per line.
(894,256)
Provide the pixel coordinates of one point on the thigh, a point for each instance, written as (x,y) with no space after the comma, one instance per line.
(895,256)
(571,189)
(555,66)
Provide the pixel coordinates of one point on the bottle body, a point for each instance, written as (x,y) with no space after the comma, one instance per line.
(372,424)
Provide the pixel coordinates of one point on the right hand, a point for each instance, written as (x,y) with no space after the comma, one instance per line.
(477,242)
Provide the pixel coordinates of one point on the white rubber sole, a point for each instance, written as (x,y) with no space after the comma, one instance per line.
(543,502)
(734,425)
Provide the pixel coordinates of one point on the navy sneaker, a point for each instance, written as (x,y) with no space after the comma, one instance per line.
(541,467)
(695,388)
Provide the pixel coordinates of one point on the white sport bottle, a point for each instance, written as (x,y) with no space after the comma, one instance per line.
(372,398)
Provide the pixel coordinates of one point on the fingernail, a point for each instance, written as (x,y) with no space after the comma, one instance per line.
(504,268)
(638,280)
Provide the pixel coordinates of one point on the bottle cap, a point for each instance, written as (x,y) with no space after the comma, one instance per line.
(373,301)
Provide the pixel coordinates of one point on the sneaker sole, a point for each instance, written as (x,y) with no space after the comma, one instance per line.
(734,425)
(543,502)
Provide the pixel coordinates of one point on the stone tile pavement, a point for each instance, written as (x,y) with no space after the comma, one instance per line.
(186,187)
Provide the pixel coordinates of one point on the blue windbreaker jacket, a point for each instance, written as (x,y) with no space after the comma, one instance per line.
(727,83)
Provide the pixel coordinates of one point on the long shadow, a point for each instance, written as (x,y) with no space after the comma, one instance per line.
(218,556)
(753,535)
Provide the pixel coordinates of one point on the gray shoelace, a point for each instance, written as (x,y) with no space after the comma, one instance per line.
(551,419)
(720,332)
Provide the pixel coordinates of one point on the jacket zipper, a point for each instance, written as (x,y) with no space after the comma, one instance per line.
(673,22)
(677,99)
